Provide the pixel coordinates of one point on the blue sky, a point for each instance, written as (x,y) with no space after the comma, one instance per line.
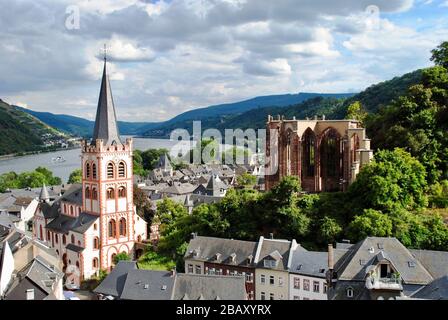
(168,57)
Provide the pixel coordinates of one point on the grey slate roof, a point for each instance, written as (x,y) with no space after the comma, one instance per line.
(106,121)
(64,223)
(352,269)
(148,285)
(164,163)
(208,247)
(436,290)
(73,194)
(310,263)
(114,283)
(74,247)
(44,193)
(436,262)
(205,287)
(269,246)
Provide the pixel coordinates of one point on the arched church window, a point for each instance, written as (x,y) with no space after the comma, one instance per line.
(308,153)
(94,171)
(122,227)
(94,194)
(331,154)
(95,263)
(110,193)
(71,210)
(110,170)
(87,170)
(56,238)
(73,239)
(122,192)
(96,243)
(122,169)
(112,228)
(87,193)
(41,234)
(64,239)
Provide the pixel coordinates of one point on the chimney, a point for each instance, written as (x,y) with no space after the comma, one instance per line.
(330,257)
(271,236)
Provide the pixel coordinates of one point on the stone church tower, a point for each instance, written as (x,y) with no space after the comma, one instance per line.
(107,180)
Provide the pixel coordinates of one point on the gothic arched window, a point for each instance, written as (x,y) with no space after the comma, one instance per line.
(308,153)
(41,234)
(122,192)
(64,239)
(94,194)
(122,169)
(112,228)
(87,195)
(122,227)
(94,171)
(110,193)
(73,239)
(87,170)
(71,210)
(331,154)
(110,170)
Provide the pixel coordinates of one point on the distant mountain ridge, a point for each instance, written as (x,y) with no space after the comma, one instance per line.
(82,127)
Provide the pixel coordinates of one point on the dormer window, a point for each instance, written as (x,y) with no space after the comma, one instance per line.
(270,263)
(217,257)
(250,259)
(411,264)
(349,292)
(371,250)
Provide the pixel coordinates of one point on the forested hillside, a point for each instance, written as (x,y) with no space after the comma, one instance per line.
(22,132)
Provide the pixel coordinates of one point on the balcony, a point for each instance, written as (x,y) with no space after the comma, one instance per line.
(393,283)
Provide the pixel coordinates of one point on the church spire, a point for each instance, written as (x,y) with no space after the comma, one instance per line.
(106,121)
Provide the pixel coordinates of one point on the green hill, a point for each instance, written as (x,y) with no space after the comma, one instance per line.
(21,132)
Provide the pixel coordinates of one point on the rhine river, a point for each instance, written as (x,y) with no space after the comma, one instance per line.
(72,158)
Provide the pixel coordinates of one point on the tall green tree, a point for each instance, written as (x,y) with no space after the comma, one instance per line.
(75,176)
(440,55)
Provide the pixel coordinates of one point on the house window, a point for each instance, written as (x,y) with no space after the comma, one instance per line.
(110,170)
(271,280)
(122,192)
(110,193)
(190,268)
(263,279)
(112,228)
(280,281)
(296,298)
(198,270)
(325,288)
(41,235)
(249,277)
(95,227)
(296,283)
(316,286)
(122,169)
(263,296)
(71,210)
(64,239)
(349,292)
(56,238)
(271,296)
(48,235)
(123,227)
(306,285)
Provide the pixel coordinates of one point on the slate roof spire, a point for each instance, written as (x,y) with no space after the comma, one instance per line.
(106,121)
(44,196)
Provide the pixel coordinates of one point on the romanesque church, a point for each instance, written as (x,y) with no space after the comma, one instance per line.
(94,221)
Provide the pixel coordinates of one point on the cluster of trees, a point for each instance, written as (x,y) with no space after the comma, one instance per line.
(387,199)
(145,161)
(32,179)
(418,120)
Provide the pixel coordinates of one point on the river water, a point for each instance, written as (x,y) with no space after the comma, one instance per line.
(72,157)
